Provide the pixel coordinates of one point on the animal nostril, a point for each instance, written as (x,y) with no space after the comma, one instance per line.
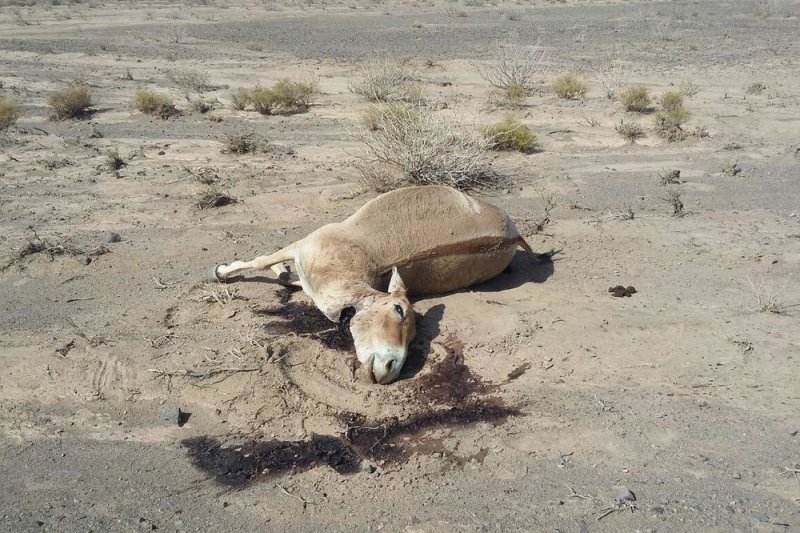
(389,365)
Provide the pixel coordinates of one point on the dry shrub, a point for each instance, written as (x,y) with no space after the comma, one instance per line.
(10,111)
(515,69)
(372,118)
(381,80)
(431,148)
(71,102)
(673,198)
(189,80)
(380,177)
(511,135)
(213,196)
(730,168)
(254,46)
(568,86)
(756,88)
(629,130)
(113,160)
(244,143)
(635,98)
(152,103)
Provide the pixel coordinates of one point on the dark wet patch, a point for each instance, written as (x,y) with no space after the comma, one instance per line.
(388,440)
(450,381)
(517,372)
(307,321)
(240,464)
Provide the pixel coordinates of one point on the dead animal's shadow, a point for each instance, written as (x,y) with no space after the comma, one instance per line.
(536,268)
(427,330)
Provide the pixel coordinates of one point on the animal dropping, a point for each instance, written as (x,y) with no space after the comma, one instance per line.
(412,241)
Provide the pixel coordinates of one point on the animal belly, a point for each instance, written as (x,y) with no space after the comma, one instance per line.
(452,272)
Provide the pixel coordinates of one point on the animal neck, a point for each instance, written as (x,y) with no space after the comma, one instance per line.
(345,294)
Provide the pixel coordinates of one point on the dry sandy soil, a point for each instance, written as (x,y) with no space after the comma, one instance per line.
(528,402)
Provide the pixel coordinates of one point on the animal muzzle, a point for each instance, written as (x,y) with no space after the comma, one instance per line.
(386,363)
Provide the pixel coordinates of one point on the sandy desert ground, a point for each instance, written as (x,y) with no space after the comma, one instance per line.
(529,403)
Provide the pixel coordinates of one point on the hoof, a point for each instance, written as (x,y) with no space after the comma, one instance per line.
(213,276)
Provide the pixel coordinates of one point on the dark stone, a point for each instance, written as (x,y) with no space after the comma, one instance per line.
(111,236)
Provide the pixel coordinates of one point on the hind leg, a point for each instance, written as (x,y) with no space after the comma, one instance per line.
(223,272)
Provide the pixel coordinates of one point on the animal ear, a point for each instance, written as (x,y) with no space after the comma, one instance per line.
(396,283)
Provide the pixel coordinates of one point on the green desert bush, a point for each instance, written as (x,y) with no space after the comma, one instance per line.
(568,86)
(240,99)
(670,119)
(672,101)
(152,103)
(71,102)
(10,111)
(510,135)
(635,98)
(286,96)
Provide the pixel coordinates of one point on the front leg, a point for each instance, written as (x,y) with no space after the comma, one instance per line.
(223,272)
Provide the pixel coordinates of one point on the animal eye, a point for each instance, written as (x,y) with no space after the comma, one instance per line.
(399,310)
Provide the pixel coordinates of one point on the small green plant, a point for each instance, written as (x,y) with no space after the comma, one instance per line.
(510,135)
(568,86)
(70,102)
(290,96)
(629,130)
(286,96)
(113,160)
(10,111)
(152,103)
(241,98)
(672,101)
(670,119)
(635,98)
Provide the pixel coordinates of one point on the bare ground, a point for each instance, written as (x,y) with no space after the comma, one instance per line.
(527,402)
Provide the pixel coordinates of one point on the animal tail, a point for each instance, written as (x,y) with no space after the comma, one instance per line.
(525,246)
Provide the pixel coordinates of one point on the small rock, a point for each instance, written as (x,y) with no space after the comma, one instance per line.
(623,494)
(657,510)
(436,455)
(702,403)
(172,414)
(111,236)
(161,152)
(737,475)
(368,467)
(83,259)
(619,291)
(758,519)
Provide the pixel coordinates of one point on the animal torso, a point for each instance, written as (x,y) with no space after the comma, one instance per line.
(439,238)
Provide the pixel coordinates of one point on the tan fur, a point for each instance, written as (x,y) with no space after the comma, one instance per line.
(438,238)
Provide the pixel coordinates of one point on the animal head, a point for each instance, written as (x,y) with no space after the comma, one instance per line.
(382,327)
